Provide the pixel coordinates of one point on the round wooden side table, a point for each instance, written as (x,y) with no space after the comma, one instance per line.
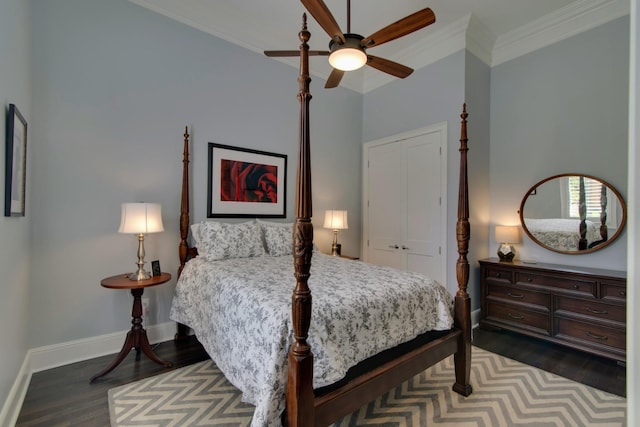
(137,336)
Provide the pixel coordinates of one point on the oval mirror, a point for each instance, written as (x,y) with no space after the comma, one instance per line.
(573,214)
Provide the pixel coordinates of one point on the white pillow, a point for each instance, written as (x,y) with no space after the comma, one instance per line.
(221,240)
(194,233)
(278,237)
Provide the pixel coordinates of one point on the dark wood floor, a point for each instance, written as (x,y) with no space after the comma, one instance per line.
(64,397)
(595,371)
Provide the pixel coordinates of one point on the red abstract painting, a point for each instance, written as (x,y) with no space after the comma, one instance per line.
(248,182)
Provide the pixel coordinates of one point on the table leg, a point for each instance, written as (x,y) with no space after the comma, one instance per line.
(136,338)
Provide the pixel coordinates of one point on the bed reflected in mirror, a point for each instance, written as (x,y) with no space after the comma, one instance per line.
(573,214)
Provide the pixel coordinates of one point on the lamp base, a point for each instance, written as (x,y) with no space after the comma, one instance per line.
(506,252)
(141,274)
(336,249)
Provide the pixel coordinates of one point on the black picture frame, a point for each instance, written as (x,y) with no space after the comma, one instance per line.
(246,183)
(155,268)
(16,163)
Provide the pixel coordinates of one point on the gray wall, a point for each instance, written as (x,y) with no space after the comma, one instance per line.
(115,86)
(561,109)
(431,95)
(14,232)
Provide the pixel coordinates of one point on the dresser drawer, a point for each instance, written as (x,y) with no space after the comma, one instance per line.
(575,330)
(616,313)
(613,291)
(525,319)
(576,286)
(518,295)
(579,307)
(498,275)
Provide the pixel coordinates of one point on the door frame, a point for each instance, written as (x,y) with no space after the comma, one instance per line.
(441,129)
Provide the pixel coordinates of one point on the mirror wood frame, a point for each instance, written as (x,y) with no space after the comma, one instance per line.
(583,251)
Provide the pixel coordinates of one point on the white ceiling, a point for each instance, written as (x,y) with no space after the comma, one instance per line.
(494,30)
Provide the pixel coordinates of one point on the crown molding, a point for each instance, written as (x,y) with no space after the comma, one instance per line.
(441,44)
(351,82)
(579,16)
(480,40)
(202,26)
(466,33)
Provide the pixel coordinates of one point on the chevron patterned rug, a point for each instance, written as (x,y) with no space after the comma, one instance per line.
(505,393)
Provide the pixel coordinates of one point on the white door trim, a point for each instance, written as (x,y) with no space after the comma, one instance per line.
(440,128)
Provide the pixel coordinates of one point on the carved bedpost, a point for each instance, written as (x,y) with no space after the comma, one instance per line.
(300,396)
(183,248)
(462,308)
(582,208)
(184,204)
(604,231)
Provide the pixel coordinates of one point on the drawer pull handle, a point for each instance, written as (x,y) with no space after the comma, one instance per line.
(515,295)
(590,310)
(513,316)
(598,337)
(576,287)
(497,274)
(623,293)
(529,279)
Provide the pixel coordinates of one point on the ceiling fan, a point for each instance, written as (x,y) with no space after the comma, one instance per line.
(348,51)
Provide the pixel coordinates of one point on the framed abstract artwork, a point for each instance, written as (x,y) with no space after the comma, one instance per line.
(246,183)
(16,163)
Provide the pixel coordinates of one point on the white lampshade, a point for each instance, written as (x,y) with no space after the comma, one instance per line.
(141,218)
(507,234)
(336,220)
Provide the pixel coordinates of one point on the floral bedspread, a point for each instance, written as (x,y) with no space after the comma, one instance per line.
(240,310)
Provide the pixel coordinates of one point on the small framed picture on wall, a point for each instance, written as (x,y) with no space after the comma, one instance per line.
(15,163)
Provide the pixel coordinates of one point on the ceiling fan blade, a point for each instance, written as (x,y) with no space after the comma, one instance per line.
(401,28)
(334,78)
(283,53)
(389,67)
(325,19)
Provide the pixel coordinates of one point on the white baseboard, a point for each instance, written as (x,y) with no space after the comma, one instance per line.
(475,318)
(53,356)
(13,404)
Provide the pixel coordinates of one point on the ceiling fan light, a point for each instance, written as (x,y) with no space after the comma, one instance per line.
(347,59)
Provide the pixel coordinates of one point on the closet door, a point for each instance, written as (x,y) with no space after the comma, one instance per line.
(404,223)
(422,210)
(385,200)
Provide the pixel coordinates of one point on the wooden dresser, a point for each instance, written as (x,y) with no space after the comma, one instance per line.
(580,307)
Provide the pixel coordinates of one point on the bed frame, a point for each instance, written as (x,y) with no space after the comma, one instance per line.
(303,407)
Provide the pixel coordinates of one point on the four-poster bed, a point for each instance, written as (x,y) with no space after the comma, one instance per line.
(306,404)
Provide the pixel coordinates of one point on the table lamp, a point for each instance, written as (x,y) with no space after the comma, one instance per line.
(506,235)
(335,220)
(140,219)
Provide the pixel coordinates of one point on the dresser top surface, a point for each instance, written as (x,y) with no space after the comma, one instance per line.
(556,267)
